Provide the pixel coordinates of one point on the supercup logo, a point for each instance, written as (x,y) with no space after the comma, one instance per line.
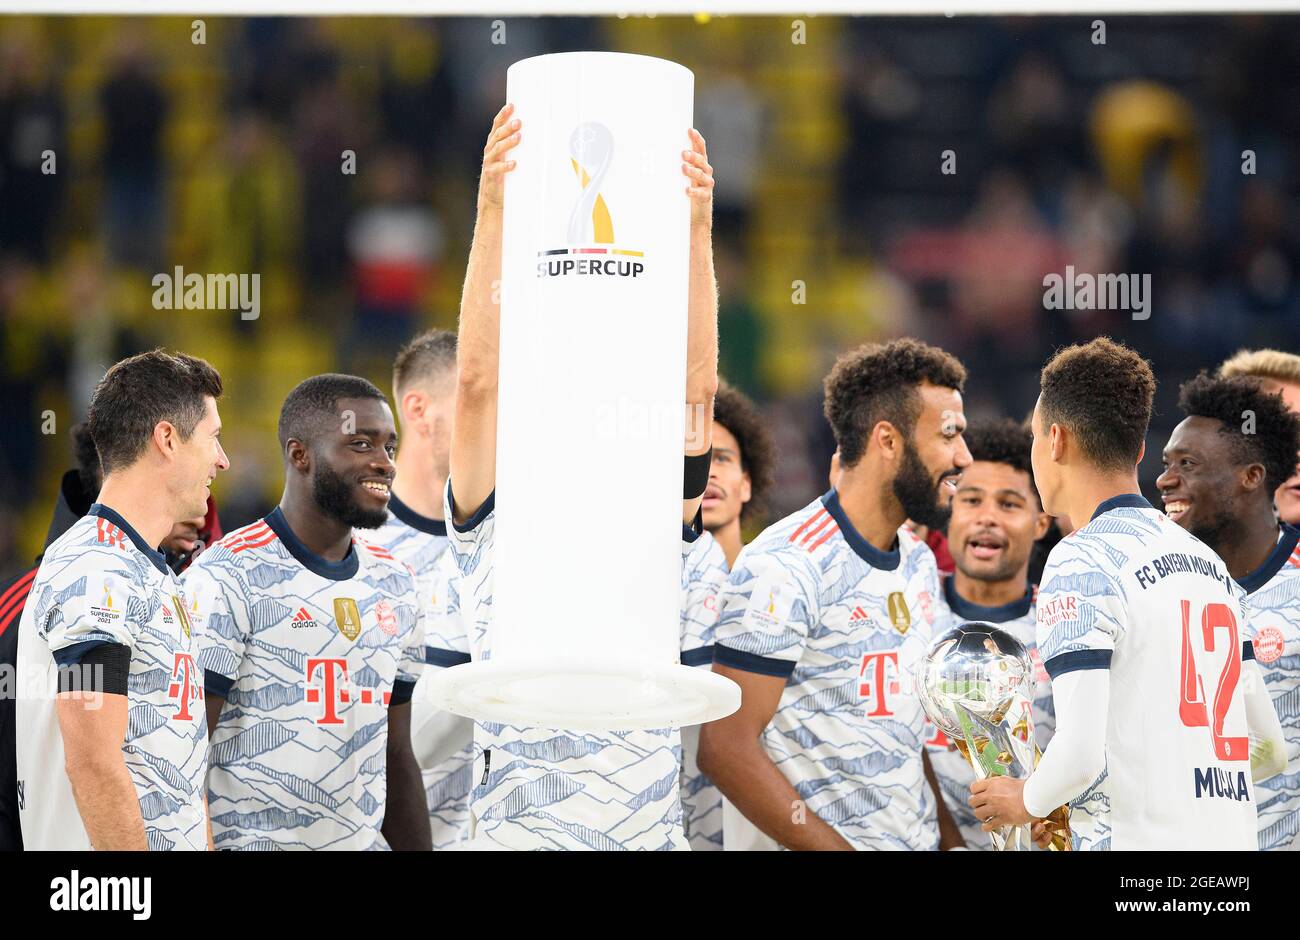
(591,153)
(591,145)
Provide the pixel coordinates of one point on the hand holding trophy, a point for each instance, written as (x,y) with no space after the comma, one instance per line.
(975,684)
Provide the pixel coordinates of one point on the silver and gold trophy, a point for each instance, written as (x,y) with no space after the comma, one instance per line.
(975,683)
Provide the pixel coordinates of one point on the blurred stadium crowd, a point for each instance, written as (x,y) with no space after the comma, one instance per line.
(835,223)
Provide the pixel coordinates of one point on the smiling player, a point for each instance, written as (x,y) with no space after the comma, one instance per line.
(1140,627)
(824,616)
(313,642)
(1218,483)
(124,769)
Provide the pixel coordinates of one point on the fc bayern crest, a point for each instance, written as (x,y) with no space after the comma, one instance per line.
(386,618)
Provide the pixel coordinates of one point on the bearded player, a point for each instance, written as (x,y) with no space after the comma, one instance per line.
(824,617)
(996,520)
(424,388)
(1140,627)
(551,789)
(312,644)
(740,477)
(1222,465)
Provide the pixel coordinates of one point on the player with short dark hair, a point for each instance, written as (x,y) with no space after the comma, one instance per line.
(312,644)
(996,520)
(424,389)
(77,490)
(1102,392)
(825,615)
(1222,465)
(1137,622)
(123,769)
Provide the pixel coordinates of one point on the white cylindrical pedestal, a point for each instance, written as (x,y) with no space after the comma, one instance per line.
(587,586)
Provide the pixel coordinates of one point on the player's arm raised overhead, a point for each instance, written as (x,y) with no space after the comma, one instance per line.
(474,432)
(702,324)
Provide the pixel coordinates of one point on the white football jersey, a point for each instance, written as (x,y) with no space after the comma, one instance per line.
(1135,593)
(703,575)
(308,655)
(443,743)
(812,602)
(100,583)
(953,771)
(1272,607)
(544,789)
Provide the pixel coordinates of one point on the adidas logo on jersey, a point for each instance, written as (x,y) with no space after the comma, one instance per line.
(302,619)
(858,615)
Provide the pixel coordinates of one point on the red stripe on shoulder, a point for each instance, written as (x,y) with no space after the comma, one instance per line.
(794,536)
(264,539)
(377,550)
(812,533)
(822,541)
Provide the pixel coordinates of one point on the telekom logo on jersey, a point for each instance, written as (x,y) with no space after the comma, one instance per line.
(183,689)
(334,689)
(878,679)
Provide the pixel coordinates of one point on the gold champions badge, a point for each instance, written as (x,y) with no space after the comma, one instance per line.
(182,615)
(899,615)
(347,617)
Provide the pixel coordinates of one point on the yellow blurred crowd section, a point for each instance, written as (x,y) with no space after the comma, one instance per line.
(79,293)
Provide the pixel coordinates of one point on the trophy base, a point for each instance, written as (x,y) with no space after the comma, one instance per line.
(585,697)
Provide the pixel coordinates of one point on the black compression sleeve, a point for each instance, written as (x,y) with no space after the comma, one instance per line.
(696,478)
(104,668)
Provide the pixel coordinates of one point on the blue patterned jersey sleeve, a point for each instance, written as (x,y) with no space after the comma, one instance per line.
(1080,611)
(213,584)
(92,596)
(766,611)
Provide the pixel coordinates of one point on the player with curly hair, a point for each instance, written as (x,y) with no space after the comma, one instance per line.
(1140,626)
(1222,465)
(824,616)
